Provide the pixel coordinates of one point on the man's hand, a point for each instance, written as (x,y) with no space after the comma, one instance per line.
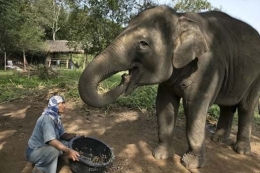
(74,155)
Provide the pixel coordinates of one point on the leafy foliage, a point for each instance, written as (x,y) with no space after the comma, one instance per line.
(45,73)
(25,24)
(96,23)
(8,19)
(19,29)
(193,5)
(214,111)
(52,15)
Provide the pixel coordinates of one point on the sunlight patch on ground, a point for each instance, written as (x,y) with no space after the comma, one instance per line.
(132,117)
(2,145)
(4,135)
(20,113)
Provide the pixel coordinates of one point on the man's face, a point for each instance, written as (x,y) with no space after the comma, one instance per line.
(61,107)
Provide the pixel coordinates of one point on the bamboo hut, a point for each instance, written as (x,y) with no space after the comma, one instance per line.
(57,47)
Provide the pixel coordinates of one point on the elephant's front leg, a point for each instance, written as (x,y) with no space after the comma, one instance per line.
(195,112)
(167,107)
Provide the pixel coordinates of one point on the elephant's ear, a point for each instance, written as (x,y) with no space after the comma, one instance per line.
(189,44)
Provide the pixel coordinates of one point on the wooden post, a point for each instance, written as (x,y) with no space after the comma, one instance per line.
(85,59)
(24,61)
(67,64)
(5,59)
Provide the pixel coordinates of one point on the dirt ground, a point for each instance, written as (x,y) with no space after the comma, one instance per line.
(131,133)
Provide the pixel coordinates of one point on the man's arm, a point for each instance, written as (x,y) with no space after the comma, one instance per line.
(72,153)
(68,136)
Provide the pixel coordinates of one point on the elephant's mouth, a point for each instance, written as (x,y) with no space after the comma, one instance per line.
(129,79)
(133,74)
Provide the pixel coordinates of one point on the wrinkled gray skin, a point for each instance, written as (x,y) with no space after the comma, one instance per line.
(202,58)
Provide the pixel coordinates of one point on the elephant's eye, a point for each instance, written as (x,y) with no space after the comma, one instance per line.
(143,44)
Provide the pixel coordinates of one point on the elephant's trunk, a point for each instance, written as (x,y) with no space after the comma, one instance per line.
(102,67)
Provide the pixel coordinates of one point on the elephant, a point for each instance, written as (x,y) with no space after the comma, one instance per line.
(200,58)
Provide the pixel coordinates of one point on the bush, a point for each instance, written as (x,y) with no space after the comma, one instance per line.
(214,111)
(45,73)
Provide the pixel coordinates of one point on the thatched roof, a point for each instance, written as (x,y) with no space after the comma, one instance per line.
(61,46)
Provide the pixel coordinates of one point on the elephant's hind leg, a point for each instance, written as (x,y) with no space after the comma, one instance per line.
(245,116)
(224,124)
(246,110)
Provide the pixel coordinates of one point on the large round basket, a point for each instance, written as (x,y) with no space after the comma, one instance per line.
(95,155)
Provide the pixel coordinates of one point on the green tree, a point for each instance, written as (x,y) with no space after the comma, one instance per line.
(20,30)
(96,23)
(193,5)
(8,18)
(25,24)
(144,4)
(51,14)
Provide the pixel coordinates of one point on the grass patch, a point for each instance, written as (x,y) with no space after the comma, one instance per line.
(214,111)
(142,98)
(16,85)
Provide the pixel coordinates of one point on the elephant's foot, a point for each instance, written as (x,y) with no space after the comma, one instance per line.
(220,136)
(163,152)
(243,147)
(192,161)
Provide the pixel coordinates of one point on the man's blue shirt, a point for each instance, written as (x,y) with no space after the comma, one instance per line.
(45,130)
